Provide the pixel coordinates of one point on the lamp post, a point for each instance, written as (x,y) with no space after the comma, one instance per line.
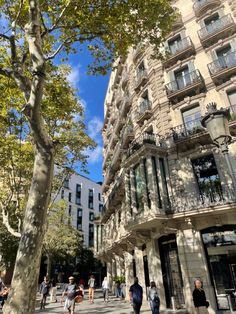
(217,124)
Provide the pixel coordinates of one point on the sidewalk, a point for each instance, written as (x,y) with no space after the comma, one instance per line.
(114,306)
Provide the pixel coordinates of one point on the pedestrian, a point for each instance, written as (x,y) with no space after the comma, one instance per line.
(136,296)
(91,284)
(118,289)
(123,290)
(53,291)
(199,298)
(70,290)
(44,291)
(105,289)
(82,283)
(154,298)
(3,292)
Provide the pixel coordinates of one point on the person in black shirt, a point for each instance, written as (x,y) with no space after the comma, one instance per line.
(136,296)
(199,298)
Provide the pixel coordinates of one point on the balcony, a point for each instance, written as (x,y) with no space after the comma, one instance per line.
(109,175)
(116,158)
(125,106)
(221,28)
(119,99)
(213,197)
(223,68)
(125,79)
(178,23)
(232,120)
(127,136)
(138,51)
(142,141)
(142,78)
(145,111)
(201,6)
(190,84)
(182,50)
(186,130)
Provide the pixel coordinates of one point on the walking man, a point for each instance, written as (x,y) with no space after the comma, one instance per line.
(91,284)
(136,296)
(44,291)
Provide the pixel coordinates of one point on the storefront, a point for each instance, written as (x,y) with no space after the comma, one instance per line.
(220,248)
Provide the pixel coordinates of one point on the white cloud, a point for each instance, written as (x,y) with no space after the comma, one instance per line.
(74,77)
(95,155)
(95,127)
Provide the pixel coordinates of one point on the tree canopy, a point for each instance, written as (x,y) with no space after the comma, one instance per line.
(40,113)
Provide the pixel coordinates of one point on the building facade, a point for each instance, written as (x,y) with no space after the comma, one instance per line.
(169,212)
(84,203)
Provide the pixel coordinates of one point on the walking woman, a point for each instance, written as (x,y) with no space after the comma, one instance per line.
(199,298)
(154,298)
(105,289)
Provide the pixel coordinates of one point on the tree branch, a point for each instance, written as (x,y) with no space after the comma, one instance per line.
(5,218)
(49,30)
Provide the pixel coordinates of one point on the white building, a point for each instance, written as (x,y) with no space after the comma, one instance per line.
(84,198)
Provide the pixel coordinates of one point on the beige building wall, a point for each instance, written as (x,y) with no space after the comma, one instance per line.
(162,188)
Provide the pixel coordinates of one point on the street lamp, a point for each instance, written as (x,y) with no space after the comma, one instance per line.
(217,124)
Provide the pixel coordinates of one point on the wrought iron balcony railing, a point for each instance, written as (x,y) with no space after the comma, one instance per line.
(215,27)
(181,83)
(187,129)
(200,6)
(214,196)
(179,46)
(225,62)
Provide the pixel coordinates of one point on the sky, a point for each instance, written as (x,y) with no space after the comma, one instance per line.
(92,91)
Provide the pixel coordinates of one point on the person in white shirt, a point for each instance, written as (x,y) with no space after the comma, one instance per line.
(91,284)
(105,288)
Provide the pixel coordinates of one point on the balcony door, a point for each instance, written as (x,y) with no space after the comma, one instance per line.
(225,57)
(212,23)
(175,44)
(192,119)
(182,77)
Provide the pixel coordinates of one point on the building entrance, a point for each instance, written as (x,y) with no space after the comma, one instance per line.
(220,247)
(171,272)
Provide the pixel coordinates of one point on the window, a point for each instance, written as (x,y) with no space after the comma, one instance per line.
(79,218)
(138,187)
(69,197)
(174,44)
(232,97)
(69,210)
(62,194)
(78,194)
(154,166)
(90,199)
(99,196)
(91,216)
(163,177)
(210,23)
(192,118)
(140,70)
(145,103)
(91,234)
(100,208)
(207,178)
(66,183)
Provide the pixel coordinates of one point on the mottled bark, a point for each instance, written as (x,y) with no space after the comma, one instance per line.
(22,297)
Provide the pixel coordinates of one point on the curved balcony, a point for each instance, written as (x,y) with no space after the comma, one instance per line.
(145,111)
(127,136)
(221,28)
(142,78)
(223,68)
(180,51)
(178,23)
(190,84)
(138,51)
(125,79)
(186,130)
(201,6)
(125,107)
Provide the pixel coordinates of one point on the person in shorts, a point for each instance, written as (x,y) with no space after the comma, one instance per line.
(91,284)
(70,290)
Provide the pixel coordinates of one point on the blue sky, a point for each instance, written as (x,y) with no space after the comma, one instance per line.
(92,91)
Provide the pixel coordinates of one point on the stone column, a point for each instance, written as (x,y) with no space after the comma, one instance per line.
(152,186)
(128,261)
(127,197)
(193,265)
(133,193)
(144,185)
(140,270)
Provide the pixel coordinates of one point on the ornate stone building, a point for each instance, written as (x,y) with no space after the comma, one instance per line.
(169,213)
